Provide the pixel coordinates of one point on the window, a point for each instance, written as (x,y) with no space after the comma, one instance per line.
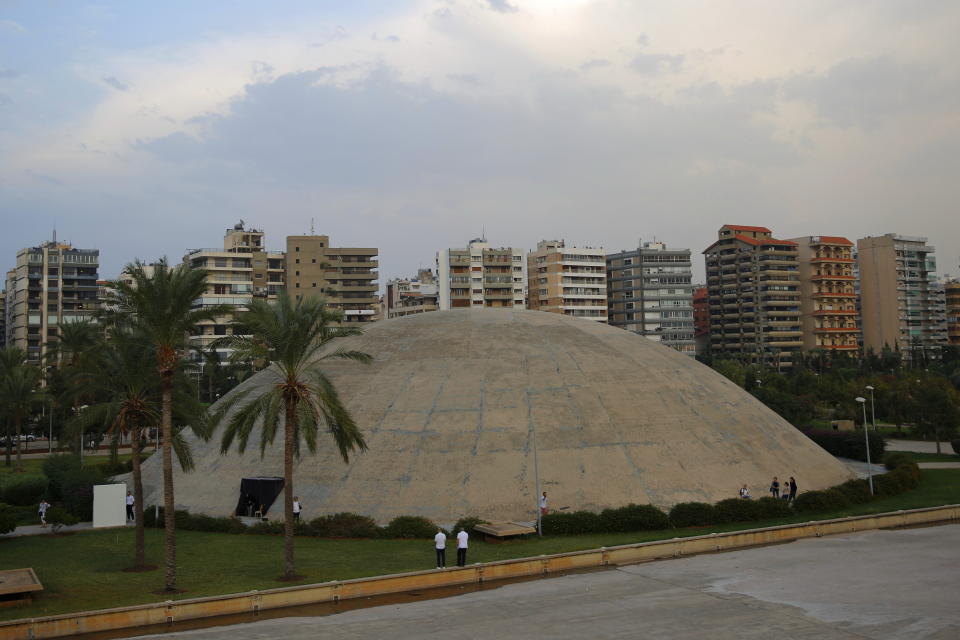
(297,261)
(313,260)
(297,272)
(313,284)
(296,248)
(297,286)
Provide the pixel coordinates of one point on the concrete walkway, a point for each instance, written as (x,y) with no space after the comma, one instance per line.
(918,446)
(821,588)
(39,530)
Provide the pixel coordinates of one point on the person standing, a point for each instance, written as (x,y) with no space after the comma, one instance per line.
(775,488)
(297,508)
(130,501)
(462,538)
(793,488)
(42,511)
(543,504)
(440,543)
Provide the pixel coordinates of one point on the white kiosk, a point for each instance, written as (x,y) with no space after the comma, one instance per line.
(109,505)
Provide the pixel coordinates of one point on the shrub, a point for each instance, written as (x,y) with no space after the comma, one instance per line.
(848,444)
(888,484)
(201,522)
(468,524)
(826,500)
(344,525)
(693,514)
(76,488)
(955,444)
(856,491)
(737,510)
(770,507)
(115,468)
(8,519)
(270,527)
(893,460)
(56,468)
(150,518)
(633,517)
(575,523)
(410,527)
(25,491)
(58,518)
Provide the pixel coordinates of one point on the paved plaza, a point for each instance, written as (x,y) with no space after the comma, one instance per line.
(878,584)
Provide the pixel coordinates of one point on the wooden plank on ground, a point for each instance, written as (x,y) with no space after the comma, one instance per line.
(504,529)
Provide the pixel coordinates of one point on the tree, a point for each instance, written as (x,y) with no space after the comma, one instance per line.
(20,391)
(292,337)
(77,340)
(937,409)
(159,304)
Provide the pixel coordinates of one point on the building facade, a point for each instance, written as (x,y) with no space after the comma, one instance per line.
(51,285)
(753,282)
(649,292)
(952,305)
(345,277)
(828,310)
(480,276)
(568,280)
(902,303)
(3,317)
(409,296)
(701,320)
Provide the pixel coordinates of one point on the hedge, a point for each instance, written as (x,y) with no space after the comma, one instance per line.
(634,517)
(344,525)
(469,524)
(24,491)
(738,510)
(571,523)
(693,514)
(849,444)
(410,527)
(8,519)
(955,444)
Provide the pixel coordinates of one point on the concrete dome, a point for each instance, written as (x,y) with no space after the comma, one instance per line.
(455,402)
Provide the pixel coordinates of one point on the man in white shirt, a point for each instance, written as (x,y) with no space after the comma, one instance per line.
(440,542)
(297,508)
(543,504)
(462,538)
(130,506)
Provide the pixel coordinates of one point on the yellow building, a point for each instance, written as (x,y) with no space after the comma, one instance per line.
(828,299)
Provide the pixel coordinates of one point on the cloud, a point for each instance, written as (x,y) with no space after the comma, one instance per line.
(594,63)
(501,6)
(652,64)
(115,83)
(261,69)
(465,78)
(9,73)
(12,26)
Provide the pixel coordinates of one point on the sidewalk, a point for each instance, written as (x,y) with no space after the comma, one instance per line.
(918,446)
(38,530)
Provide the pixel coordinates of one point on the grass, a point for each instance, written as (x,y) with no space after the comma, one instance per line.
(34,466)
(84,571)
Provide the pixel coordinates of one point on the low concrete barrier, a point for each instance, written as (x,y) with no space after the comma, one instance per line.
(256,601)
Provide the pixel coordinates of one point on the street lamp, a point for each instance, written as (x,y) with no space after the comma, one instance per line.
(873,409)
(866,439)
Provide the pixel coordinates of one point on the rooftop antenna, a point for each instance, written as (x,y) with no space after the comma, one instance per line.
(311,227)
(483,233)
(54,234)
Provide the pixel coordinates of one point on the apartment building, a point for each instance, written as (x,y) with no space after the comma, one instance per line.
(481,276)
(649,292)
(828,311)
(567,280)
(3,318)
(952,305)
(409,296)
(902,304)
(753,282)
(701,320)
(345,277)
(51,284)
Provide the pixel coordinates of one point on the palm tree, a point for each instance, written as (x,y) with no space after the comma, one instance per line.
(77,340)
(290,336)
(20,390)
(161,304)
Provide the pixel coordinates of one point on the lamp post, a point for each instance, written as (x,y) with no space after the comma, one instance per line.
(866,439)
(873,409)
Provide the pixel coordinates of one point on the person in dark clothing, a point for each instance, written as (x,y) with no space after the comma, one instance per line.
(775,488)
(793,488)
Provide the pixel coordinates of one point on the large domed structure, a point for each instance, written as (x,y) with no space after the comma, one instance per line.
(463,410)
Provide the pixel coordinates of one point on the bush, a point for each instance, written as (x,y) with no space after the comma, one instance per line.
(848,444)
(737,510)
(893,460)
(344,525)
(270,527)
(633,517)
(56,468)
(826,500)
(58,518)
(468,524)
(693,514)
(856,491)
(200,522)
(410,527)
(770,507)
(955,444)
(115,468)
(8,519)
(25,491)
(575,523)
(76,489)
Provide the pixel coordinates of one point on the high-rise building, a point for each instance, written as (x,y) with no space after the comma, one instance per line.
(829,318)
(701,320)
(952,303)
(567,280)
(52,284)
(480,276)
(753,282)
(649,292)
(3,318)
(902,304)
(408,296)
(345,277)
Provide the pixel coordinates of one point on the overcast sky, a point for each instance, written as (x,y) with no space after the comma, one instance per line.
(147,128)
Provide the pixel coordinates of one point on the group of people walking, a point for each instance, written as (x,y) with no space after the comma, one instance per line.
(440,543)
(787,490)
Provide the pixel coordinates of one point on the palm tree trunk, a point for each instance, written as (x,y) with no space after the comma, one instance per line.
(288,430)
(9,447)
(138,547)
(16,432)
(166,427)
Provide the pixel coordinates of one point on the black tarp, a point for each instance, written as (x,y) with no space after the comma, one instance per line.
(257,494)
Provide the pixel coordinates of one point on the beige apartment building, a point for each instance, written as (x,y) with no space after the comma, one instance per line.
(900,298)
(481,276)
(346,277)
(3,317)
(410,296)
(952,300)
(753,286)
(568,280)
(828,299)
(52,284)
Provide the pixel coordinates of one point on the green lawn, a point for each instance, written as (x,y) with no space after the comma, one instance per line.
(34,466)
(83,571)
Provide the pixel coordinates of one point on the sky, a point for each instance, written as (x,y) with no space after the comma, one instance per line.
(147,129)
